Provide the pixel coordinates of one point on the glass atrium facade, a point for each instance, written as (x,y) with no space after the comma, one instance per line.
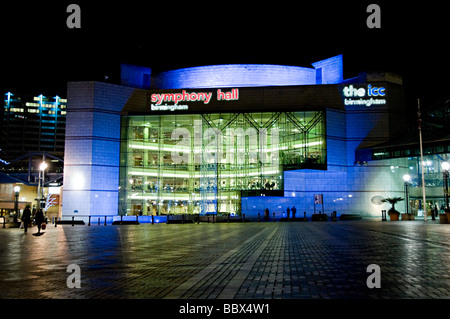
(203,163)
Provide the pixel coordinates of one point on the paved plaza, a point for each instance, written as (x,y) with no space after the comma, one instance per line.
(296,260)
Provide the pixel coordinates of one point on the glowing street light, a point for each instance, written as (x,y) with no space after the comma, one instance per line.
(40,193)
(43,166)
(406,178)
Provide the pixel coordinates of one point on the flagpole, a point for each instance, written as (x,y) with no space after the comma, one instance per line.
(424,203)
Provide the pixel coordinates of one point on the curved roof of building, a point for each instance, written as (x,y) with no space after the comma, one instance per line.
(328,71)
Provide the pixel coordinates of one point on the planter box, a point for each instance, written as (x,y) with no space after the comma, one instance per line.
(394,216)
(408,217)
(443,219)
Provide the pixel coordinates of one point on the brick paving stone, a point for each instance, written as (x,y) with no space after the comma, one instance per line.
(312,260)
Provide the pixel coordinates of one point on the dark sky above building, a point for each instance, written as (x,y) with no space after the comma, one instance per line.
(41,54)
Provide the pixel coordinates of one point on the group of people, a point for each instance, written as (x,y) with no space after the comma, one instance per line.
(38,218)
(288,211)
(293,210)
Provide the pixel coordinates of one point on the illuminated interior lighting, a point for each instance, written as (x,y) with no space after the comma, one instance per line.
(181,148)
(198,174)
(178,197)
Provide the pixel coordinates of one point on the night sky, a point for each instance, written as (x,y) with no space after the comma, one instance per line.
(40,54)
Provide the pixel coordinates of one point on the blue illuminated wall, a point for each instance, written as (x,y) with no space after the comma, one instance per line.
(92,148)
(329,71)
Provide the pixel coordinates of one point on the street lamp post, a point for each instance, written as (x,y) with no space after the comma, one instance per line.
(406,179)
(445,168)
(16,203)
(40,192)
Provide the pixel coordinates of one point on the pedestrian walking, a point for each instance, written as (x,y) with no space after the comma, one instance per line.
(294,210)
(288,213)
(39,219)
(26,218)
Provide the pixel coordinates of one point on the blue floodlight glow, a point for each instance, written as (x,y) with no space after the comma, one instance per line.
(236,75)
(252,75)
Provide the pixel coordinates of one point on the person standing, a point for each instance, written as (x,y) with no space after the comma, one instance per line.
(288,213)
(294,210)
(26,218)
(39,219)
(266,214)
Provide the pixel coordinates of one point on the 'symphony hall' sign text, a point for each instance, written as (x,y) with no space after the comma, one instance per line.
(157,99)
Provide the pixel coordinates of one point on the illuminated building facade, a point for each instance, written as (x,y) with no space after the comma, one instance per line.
(232,139)
(203,163)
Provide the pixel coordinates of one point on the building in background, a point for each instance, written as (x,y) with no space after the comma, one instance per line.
(32,124)
(32,131)
(234,139)
(224,139)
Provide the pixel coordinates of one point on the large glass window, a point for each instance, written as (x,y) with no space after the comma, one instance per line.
(201,163)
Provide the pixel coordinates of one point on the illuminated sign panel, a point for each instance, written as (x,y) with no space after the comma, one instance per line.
(157,99)
(364,96)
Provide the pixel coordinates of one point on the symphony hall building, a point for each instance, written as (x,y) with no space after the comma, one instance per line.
(233,139)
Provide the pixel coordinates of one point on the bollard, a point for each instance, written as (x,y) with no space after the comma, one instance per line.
(105,220)
(4,221)
(121,219)
(99,221)
(383,215)
(73,220)
(274,217)
(89,222)
(153,219)
(56,221)
(137,219)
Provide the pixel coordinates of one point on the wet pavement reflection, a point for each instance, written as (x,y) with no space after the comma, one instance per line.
(317,260)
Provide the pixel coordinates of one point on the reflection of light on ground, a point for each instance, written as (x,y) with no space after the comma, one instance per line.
(309,259)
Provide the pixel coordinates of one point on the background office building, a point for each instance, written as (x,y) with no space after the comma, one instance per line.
(32,130)
(233,139)
(32,124)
